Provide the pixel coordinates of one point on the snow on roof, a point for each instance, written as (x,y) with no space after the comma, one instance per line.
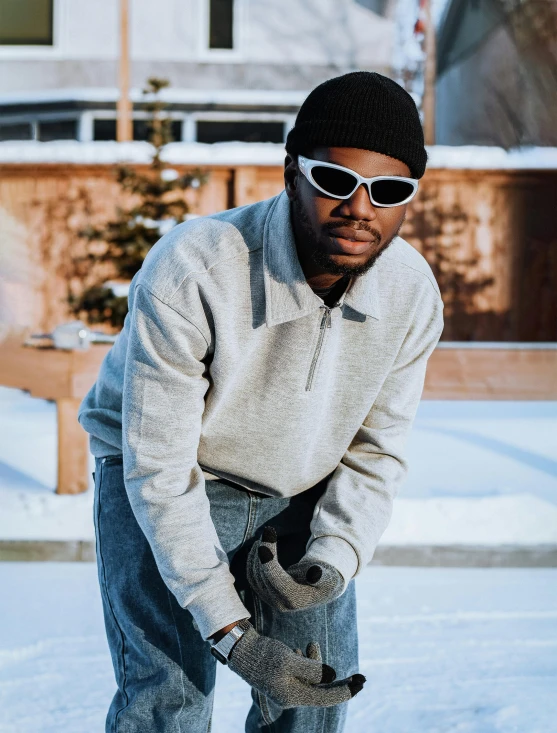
(241,153)
(72,151)
(482,157)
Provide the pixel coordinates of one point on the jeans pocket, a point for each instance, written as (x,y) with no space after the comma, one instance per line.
(114,459)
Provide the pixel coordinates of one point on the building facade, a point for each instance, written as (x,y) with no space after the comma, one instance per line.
(238,69)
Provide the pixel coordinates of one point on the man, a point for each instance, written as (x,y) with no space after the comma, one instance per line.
(249,426)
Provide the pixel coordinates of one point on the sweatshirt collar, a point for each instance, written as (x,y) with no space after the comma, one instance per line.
(287,293)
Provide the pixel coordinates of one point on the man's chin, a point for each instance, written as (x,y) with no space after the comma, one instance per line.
(339,264)
(346,264)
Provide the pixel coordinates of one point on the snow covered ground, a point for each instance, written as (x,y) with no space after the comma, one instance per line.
(444,650)
(481,473)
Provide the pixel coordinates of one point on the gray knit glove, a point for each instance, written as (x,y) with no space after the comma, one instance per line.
(286,676)
(305,584)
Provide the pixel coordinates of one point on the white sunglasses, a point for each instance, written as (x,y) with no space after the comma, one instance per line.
(341,183)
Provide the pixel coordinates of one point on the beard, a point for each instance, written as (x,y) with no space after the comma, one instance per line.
(324,259)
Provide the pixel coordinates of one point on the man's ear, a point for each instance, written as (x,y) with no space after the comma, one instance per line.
(290,176)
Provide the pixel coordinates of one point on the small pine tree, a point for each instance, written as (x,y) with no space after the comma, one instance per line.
(126,239)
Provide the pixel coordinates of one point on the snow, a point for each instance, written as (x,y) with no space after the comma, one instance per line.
(111,152)
(241,153)
(504,520)
(444,650)
(480,473)
(491,157)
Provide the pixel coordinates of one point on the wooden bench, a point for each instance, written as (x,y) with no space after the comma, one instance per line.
(65,377)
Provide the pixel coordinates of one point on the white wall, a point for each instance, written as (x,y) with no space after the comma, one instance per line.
(317,32)
(81,30)
(340,33)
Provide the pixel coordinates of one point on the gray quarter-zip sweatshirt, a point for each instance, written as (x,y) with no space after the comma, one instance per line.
(229,365)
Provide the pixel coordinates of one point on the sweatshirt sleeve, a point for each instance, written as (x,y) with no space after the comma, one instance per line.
(356,507)
(162,407)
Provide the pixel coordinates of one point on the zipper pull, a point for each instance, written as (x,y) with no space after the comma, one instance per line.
(328,318)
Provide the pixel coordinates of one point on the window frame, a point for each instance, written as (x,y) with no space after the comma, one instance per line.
(230,5)
(90,115)
(85,120)
(202,116)
(3,44)
(240,122)
(39,51)
(35,118)
(222,55)
(32,127)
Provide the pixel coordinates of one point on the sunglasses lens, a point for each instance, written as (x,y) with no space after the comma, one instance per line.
(391,192)
(335,182)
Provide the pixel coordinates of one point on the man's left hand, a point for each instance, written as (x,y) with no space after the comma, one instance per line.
(305,584)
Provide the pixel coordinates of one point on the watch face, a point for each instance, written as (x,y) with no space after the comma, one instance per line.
(215,652)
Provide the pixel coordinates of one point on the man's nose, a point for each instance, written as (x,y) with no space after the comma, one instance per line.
(359,205)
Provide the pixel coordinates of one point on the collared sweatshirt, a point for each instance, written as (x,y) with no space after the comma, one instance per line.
(229,365)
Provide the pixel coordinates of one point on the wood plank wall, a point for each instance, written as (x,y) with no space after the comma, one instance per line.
(489,235)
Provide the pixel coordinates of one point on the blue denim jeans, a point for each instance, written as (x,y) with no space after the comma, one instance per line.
(165,673)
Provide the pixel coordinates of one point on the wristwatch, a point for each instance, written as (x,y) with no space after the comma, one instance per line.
(221,649)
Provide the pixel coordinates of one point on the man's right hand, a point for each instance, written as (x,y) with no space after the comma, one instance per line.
(288,677)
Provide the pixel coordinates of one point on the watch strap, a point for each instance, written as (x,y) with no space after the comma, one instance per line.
(221,649)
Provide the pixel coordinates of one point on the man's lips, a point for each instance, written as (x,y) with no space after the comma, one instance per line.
(353,235)
(351,241)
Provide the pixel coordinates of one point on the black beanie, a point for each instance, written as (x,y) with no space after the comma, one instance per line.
(362,109)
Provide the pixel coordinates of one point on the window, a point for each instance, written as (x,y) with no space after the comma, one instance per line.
(249,131)
(221,22)
(58,130)
(16,131)
(26,22)
(105,129)
(141,131)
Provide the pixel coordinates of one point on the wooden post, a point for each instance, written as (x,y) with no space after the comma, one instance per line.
(245,185)
(124,127)
(430,75)
(73,449)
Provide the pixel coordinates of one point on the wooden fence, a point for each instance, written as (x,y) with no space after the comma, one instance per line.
(489,235)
